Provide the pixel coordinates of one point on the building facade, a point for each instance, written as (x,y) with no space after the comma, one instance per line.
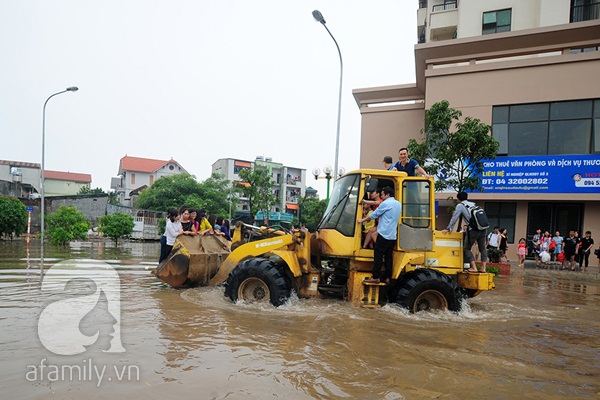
(19,179)
(528,69)
(136,173)
(289,183)
(60,183)
(23,180)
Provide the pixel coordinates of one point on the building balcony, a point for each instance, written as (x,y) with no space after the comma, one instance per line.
(443,21)
(446,5)
(421,23)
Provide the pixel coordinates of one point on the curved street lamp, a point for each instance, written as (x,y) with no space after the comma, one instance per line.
(319,18)
(42,189)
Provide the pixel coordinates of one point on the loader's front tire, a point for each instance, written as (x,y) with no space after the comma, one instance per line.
(258,280)
(427,289)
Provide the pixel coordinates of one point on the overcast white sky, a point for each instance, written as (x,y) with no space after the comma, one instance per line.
(196,80)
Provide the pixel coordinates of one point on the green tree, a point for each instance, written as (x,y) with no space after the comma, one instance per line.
(113,198)
(87,190)
(214,195)
(117,225)
(13,217)
(67,224)
(259,190)
(458,156)
(168,192)
(311,211)
(183,189)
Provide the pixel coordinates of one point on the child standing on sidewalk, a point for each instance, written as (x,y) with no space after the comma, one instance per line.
(522,251)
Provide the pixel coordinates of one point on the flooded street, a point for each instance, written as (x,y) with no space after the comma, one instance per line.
(536,336)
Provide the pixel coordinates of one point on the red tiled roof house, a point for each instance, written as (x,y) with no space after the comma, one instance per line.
(136,172)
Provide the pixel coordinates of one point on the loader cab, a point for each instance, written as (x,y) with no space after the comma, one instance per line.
(339,221)
(417,221)
(341,212)
(344,206)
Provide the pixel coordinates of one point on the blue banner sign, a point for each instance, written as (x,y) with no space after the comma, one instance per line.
(542,174)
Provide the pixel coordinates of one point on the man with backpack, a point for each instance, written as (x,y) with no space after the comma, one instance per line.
(477,225)
(493,239)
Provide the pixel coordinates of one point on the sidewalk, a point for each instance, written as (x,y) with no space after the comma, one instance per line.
(553,269)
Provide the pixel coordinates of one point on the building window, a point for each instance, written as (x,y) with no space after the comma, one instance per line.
(502,215)
(565,127)
(133,179)
(151,179)
(585,10)
(584,49)
(496,21)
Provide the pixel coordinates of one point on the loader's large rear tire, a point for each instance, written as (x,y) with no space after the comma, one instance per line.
(258,280)
(428,289)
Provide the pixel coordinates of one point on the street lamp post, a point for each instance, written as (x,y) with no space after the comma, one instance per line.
(328,175)
(319,18)
(230,198)
(42,189)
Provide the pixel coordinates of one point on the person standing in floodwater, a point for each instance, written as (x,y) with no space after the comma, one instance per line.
(570,245)
(586,245)
(558,249)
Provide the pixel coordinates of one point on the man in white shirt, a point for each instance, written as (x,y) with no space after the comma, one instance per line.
(493,239)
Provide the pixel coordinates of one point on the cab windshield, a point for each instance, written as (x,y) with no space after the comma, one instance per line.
(343,203)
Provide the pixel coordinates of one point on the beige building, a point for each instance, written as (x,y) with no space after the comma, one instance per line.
(59,183)
(289,184)
(530,70)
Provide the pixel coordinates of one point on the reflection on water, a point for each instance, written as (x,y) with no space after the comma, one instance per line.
(536,336)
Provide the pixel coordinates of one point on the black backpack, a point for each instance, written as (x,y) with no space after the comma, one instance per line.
(479,219)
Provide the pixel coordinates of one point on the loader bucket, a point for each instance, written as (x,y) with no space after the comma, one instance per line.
(193,261)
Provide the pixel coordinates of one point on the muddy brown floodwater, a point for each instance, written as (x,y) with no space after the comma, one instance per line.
(537,336)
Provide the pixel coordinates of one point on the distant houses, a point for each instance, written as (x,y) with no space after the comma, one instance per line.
(22,179)
(136,174)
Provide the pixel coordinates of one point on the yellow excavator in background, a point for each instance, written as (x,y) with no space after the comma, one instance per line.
(265,264)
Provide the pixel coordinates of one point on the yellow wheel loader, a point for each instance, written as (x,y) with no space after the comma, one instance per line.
(266,264)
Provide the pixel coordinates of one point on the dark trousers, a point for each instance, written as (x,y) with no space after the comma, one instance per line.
(164,249)
(584,257)
(383,252)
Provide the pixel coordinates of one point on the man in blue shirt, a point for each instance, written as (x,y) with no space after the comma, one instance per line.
(410,166)
(388,213)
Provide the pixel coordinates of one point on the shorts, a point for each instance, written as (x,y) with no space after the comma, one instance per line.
(568,254)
